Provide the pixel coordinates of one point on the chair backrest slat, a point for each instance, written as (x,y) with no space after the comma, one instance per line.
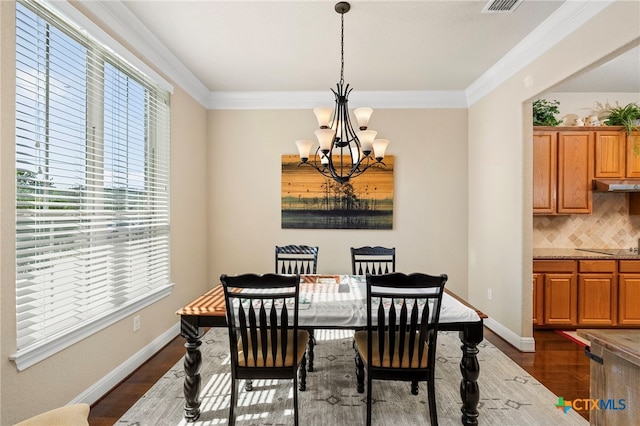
(373,260)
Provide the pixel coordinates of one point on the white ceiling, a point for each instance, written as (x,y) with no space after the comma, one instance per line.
(294,46)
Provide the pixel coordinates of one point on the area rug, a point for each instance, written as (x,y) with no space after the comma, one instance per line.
(509,396)
(573,336)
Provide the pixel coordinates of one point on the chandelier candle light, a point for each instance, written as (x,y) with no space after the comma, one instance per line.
(343,153)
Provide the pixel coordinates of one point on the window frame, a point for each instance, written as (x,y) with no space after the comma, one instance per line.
(47,346)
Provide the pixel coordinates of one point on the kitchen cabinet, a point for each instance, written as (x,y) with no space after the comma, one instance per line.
(572,293)
(597,292)
(545,181)
(610,154)
(537,299)
(633,155)
(575,171)
(563,163)
(629,292)
(559,291)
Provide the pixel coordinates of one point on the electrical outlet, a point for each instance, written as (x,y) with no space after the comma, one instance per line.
(489,294)
(136,323)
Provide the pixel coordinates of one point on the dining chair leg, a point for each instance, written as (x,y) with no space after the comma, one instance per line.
(302,373)
(310,349)
(232,403)
(369,400)
(248,385)
(295,399)
(414,387)
(359,373)
(431,391)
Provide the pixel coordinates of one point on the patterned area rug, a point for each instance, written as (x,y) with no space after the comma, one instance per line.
(509,396)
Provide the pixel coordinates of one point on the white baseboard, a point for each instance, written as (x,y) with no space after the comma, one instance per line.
(108,382)
(524,344)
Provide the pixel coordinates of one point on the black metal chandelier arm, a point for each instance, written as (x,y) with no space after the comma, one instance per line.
(328,169)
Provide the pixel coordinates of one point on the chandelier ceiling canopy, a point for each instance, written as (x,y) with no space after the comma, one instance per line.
(343,153)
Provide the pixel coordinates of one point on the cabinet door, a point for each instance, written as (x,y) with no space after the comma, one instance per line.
(633,155)
(560,299)
(537,299)
(545,154)
(610,149)
(596,299)
(575,171)
(628,297)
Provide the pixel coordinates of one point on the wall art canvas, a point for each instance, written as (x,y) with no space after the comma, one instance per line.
(313,201)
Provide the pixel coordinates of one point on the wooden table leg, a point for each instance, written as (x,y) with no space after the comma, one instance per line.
(470,336)
(192,363)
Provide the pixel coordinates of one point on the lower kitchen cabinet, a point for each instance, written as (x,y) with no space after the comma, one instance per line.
(629,293)
(537,298)
(597,292)
(586,293)
(560,296)
(628,306)
(559,291)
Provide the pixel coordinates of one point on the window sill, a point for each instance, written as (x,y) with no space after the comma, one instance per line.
(28,357)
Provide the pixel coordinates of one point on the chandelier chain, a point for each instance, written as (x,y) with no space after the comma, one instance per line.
(342,49)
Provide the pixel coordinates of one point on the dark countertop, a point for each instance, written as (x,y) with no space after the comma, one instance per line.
(567,253)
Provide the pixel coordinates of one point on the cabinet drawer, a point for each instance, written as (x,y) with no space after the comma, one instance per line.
(628,266)
(596,265)
(554,266)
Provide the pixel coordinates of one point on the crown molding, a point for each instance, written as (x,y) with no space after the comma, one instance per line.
(306,100)
(116,16)
(564,21)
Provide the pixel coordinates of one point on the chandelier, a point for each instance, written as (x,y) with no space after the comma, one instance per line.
(343,153)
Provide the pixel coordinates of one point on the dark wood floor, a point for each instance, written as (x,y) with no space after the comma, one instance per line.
(558,363)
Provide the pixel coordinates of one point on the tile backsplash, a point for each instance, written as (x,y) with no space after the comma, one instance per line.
(609,226)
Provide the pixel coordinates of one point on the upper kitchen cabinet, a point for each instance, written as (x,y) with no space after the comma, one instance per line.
(545,181)
(563,164)
(633,155)
(610,155)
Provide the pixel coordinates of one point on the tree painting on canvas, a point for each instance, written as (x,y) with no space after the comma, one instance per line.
(313,201)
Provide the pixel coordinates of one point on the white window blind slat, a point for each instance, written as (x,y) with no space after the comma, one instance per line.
(92,202)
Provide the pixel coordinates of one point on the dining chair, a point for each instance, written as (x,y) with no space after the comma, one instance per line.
(296,259)
(264,339)
(399,342)
(373,260)
(299,259)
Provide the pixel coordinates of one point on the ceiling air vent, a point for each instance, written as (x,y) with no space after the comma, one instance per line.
(501,6)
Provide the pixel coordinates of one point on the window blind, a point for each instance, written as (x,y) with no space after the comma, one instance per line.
(92,180)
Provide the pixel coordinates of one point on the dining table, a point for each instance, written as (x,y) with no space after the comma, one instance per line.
(331,302)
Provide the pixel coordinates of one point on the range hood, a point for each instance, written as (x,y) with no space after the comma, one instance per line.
(616,185)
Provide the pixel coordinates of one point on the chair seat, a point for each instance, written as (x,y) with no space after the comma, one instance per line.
(303,337)
(70,415)
(360,338)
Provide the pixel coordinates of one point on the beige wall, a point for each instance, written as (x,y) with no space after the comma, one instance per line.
(62,377)
(430,199)
(500,240)
(585,104)
(462,206)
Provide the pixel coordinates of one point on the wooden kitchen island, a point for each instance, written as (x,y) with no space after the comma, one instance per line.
(615,374)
